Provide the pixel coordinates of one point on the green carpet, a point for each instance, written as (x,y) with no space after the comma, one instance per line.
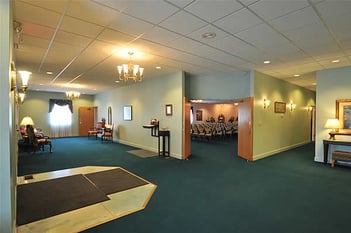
(215,191)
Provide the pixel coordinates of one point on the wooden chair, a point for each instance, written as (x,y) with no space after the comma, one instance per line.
(44,141)
(107,134)
(95,131)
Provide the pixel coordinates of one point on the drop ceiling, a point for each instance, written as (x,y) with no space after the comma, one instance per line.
(82,41)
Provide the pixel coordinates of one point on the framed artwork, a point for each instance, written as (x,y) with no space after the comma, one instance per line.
(343,113)
(169,110)
(198,115)
(127,113)
(279,107)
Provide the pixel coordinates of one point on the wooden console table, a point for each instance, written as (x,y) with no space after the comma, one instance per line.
(326,144)
(154,129)
(163,135)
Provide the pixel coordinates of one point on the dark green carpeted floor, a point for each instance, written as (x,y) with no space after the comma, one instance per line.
(216,191)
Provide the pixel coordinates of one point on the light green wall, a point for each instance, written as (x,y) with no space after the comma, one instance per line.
(148,100)
(221,87)
(275,132)
(332,84)
(36,105)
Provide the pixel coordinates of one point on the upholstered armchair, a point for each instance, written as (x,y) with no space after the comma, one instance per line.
(96,130)
(107,133)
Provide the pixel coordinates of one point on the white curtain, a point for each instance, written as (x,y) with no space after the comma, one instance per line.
(60,121)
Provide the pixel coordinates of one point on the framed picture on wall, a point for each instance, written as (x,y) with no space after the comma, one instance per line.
(198,115)
(343,113)
(127,113)
(279,107)
(169,110)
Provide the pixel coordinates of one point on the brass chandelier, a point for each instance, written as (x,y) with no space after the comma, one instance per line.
(130,71)
(72,95)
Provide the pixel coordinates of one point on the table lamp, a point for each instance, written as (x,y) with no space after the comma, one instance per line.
(27,121)
(334,125)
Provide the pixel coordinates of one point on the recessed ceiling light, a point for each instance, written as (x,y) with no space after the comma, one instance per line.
(117,81)
(296,75)
(267,62)
(158,67)
(336,61)
(208,35)
(49,72)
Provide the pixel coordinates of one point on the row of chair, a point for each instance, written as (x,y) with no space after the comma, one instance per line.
(213,130)
(105,133)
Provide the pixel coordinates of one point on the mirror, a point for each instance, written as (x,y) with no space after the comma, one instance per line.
(127,113)
(109,115)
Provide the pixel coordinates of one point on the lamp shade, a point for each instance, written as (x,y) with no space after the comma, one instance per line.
(27,121)
(332,123)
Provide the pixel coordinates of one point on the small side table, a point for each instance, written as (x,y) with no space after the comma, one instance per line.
(164,135)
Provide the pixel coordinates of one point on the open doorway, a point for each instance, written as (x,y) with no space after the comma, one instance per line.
(214,120)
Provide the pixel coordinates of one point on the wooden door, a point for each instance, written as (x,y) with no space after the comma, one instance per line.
(86,120)
(186,129)
(245,128)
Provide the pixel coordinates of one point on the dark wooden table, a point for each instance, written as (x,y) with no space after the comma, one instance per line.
(326,144)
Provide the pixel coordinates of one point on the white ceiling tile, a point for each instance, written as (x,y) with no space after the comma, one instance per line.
(340,26)
(72,39)
(230,60)
(248,2)
(296,20)
(334,9)
(177,44)
(37,15)
(346,44)
(92,12)
(146,10)
(238,21)
(160,35)
(330,57)
(328,64)
(180,3)
(185,44)
(117,5)
(37,30)
(309,32)
(80,27)
(197,35)
(34,42)
(269,9)
(286,52)
(159,50)
(183,23)
(262,36)
(240,49)
(213,10)
(114,37)
(58,6)
(130,25)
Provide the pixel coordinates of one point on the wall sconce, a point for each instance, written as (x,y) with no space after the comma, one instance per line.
(292,107)
(25,75)
(266,103)
(19,96)
(309,108)
(334,125)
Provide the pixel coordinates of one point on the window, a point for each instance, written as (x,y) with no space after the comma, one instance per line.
(60,121)
(60,116)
